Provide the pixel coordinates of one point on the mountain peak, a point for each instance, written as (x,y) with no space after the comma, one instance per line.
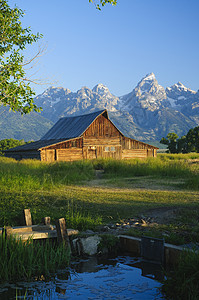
(180,85)
(149,85)
(149,77)
(180,88)
(100,89)
(146,83)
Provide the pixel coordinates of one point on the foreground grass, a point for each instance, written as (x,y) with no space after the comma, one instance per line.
(26,260)
(182,283)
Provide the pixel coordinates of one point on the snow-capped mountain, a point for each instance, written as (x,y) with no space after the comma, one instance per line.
(148,112)
(148,94)
(179,95)
(59,102)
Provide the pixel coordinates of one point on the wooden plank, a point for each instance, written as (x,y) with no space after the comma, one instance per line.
(134,153)
(101,141)
(69,154)
(35,235)
(150,152)
(50,155)
(102,127)
(67,144)
(25,229)
(128,143)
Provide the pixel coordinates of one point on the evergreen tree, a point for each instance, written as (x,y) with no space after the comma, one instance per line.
(192,139)
(171,142)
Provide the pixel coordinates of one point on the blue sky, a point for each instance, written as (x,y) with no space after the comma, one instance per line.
(116,46)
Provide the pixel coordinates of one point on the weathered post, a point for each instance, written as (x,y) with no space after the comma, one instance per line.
(46,220)
(27,217)
(62,234)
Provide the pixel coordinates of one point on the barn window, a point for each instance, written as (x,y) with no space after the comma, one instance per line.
(107,149)
(112,148)
(73,144)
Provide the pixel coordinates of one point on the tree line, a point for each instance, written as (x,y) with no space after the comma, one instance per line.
(10,143)
(187,143)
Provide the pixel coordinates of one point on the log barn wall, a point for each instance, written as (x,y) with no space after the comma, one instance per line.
(136,149)
(65,151)
(102,140)
(69,154)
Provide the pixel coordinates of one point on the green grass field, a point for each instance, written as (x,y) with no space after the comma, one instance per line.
(127,189)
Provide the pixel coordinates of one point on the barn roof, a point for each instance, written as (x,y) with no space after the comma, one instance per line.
(35,145)
(72,127)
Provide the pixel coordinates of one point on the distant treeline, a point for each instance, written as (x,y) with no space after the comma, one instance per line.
(186,144)
(10,143)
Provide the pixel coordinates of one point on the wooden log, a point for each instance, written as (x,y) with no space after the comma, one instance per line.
(27,217)
(46,221)
(62,234)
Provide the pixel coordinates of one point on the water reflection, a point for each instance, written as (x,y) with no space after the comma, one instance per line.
(123,278)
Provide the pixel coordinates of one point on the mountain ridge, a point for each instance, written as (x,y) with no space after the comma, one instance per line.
(147,113)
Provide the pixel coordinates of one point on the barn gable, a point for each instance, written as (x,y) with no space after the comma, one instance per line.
(72,127)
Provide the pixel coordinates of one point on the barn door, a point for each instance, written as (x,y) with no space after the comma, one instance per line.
(92,153)
(50,155)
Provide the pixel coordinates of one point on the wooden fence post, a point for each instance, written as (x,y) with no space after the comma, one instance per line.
(62,234)
(27,217)
(46,220)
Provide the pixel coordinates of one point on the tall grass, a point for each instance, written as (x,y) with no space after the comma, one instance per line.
(180,156)
(33,174)
(155,167)
(24,260)
(182,283)
(77,218)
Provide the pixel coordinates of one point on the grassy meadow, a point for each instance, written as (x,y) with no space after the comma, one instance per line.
(127,189)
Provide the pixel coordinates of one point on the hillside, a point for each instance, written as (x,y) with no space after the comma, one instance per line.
(27,127)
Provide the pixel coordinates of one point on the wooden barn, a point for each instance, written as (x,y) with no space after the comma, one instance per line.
(83,137)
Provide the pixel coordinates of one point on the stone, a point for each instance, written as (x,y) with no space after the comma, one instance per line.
(105,229)
(86,246)
(90,245)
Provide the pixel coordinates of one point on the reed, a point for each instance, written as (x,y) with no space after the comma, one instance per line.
(26,260)
(182,283)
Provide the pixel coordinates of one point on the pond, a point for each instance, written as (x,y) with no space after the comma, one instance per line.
(94,278)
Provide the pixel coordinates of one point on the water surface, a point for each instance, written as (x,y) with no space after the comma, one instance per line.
(94,278)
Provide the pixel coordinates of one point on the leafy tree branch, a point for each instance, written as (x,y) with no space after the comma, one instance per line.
(100,3)
(15,89)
